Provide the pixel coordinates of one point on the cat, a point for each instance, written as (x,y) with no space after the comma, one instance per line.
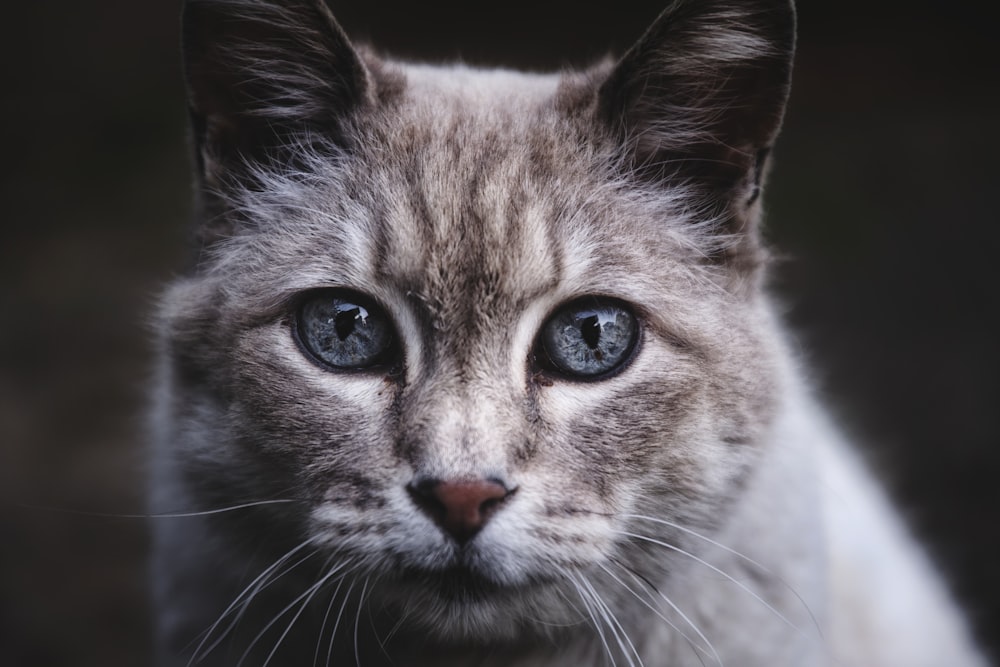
(477,367)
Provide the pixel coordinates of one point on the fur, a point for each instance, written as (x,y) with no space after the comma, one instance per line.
(692,508)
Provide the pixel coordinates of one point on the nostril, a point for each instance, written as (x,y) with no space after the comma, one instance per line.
(460,507)
(423,495)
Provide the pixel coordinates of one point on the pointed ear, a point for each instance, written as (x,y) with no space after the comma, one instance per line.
(262,74)
(699,99)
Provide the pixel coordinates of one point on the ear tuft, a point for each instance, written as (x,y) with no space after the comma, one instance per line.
(262,73)
(700,97)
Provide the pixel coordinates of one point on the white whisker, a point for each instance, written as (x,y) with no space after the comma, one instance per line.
(329,608)
(741,556)
(261,581)
(312,590)
(621,636)
(694,533)
(394,629)
(308,593)
(694,645)
(357,621)
(336,623)
(727,576)
(584,598)
(161,515)
(326,618)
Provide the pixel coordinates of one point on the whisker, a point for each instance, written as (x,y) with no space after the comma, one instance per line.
(336,623)
(694,626)
(315,589)
(727,576)
(357,622)
(326,618)
(308,593)
(160,515)
(621,636)
(694,533)
(764,569)
(393,630)
(584,598)
(684,635)
(568,624)
(260,582)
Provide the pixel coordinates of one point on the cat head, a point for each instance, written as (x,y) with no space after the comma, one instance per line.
(473,321)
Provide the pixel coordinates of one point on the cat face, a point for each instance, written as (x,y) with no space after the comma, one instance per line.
(474,322)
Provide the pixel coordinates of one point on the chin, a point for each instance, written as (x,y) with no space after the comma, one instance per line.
(456,605)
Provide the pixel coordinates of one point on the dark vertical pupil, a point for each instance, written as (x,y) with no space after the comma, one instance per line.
(346,320)
(590,329)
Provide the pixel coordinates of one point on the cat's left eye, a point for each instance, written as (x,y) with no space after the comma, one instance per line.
(588,339)
(344,330)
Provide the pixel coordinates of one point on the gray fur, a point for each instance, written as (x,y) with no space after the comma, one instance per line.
(685,511)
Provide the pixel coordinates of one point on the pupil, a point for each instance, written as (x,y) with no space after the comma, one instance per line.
(590,329)
(346,321)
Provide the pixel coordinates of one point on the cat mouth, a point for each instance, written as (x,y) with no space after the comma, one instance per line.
(458,583)
(461,583)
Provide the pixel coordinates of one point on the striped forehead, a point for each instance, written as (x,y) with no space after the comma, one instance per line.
(472,211)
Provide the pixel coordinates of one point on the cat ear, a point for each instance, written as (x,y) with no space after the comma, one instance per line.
(699,99)
(263,75)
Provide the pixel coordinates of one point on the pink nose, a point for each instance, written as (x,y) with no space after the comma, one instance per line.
(462,507)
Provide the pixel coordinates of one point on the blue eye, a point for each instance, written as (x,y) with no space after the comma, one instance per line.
(343,330)
(588,338)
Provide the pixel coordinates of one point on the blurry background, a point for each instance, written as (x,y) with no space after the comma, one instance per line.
(882,201)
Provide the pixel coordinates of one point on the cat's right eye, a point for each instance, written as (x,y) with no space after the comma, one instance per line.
(588,339)
(344,330)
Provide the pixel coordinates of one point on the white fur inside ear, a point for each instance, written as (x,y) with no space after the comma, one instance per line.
(731,41)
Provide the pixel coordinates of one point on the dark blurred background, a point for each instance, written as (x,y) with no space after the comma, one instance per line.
(882,201)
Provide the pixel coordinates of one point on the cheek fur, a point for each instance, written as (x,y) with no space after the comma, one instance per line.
(336,426)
